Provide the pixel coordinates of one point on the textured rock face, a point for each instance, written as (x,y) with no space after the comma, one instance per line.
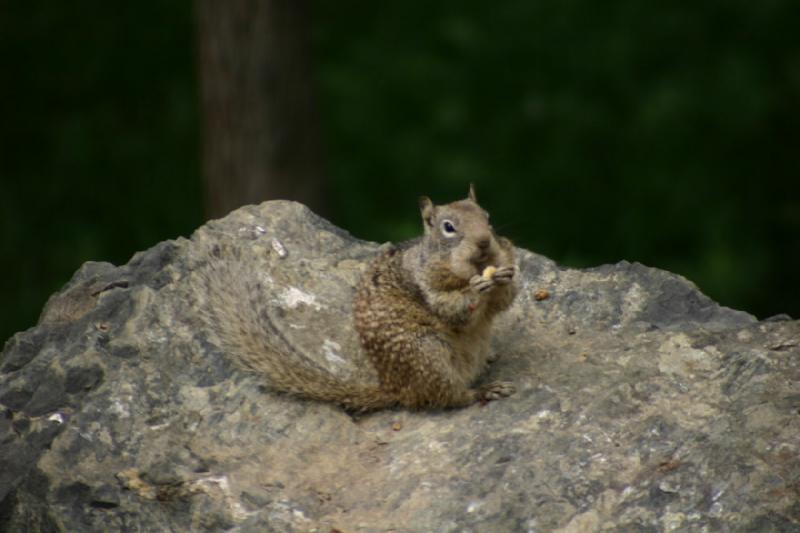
(641,405)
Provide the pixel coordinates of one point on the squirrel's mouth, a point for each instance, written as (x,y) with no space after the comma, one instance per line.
(481,260)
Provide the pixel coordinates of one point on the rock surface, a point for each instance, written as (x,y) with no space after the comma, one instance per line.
(641,405)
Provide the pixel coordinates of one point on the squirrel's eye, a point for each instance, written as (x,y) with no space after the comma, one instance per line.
(448,228)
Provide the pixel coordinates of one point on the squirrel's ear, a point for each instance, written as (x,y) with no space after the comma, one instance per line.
(426,208)
(472,193)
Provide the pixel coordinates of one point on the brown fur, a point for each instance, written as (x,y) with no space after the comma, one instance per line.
(422,321)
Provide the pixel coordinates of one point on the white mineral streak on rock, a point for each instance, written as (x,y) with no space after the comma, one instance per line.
(331,351)
(292,297)
(279,248)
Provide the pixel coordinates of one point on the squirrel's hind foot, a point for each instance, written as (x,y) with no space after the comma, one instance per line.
(496,390)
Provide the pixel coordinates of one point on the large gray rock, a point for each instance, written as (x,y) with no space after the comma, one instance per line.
(641,405)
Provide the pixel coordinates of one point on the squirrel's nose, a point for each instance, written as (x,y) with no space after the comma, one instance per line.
(484,242)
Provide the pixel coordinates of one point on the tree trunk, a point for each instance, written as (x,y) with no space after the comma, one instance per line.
(261,138)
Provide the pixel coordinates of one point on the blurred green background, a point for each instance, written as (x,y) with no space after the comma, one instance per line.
(664,133)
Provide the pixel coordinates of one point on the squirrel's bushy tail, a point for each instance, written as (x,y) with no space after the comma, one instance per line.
(235,310)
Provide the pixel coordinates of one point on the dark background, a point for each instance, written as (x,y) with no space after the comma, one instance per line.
(665,133)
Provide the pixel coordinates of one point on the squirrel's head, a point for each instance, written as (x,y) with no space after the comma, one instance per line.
(460,231)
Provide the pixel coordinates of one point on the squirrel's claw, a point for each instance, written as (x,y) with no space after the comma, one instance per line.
(480,284)
(503,275)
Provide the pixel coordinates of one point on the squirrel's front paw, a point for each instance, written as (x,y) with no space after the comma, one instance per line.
(496,390)
(480,284)
(503,275)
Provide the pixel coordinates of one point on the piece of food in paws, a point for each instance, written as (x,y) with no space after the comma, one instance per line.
(488,272)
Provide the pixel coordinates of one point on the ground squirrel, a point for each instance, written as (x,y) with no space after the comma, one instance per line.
(423,312)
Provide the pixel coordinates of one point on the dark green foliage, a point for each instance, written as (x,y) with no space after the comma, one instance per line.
(665,133)
(662,133)
(98,138)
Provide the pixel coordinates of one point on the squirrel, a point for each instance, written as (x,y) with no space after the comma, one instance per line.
(422,311)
